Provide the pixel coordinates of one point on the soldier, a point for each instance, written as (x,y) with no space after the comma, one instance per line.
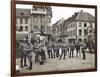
(43,50)
(29,49)
(23,54)
(77,46)
(83,50)
(49,49)
(63,53)
(55,50)
(67,49)
(37,50)
(71,49)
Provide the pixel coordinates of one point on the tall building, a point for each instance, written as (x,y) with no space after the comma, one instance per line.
(79,26)
(41,18)
(23,23)
(57,28)
(22,20)
(33,21)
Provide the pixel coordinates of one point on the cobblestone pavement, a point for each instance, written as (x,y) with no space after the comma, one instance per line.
(59,65)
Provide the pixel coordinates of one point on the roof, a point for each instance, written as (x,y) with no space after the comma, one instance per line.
(85,16)
(59,22)
(80,16)
(22,12)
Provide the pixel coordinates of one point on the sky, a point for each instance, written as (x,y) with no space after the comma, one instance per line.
(61,12)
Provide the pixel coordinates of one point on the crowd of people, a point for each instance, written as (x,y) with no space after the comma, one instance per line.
(44,50)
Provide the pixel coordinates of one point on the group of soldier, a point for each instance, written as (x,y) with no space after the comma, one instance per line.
(51,49)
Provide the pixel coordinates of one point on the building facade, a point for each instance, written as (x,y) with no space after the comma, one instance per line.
(33,20)
(41,18)
(23,20)
(57,28)
(79,26)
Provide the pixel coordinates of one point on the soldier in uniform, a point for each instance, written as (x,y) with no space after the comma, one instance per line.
(23,54)
(29,50)
(77,46)
(63,53)
(72,49)
(55,50)
(49,49)
(43,50)
(67,49)
(37,50)
(83,50)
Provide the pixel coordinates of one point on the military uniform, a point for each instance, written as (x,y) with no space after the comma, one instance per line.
(28,50)
(49,50)
(56,51)
(43,49)
(23,54)
(77,46)
(37,51)
(63,53)
(72,50)
(67,49)
(83,50)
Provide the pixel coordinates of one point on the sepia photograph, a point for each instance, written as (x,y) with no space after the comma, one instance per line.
(54,38)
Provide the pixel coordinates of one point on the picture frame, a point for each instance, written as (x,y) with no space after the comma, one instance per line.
(13,37)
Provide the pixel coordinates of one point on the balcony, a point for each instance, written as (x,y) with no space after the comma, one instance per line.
(38,12)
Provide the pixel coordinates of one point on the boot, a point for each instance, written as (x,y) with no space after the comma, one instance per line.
(30,67)
(25,62)
(21,63)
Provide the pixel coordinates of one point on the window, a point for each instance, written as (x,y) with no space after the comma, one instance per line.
(35,19)
(85,32)
(42,28)
(73,32)
(85,25)
(49,19)
(80,24)
(21,28)
(42,19)
(22,13)
(26,28)
(71,25)
(21,20)
(26,20)
(91,25)
(36,28)
(90,31)
(80,32)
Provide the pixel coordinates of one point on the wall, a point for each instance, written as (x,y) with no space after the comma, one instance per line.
(5,47)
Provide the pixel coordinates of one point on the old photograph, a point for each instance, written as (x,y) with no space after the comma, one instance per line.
(54,38)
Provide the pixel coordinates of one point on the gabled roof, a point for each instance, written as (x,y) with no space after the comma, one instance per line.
(22,12)
(80,16)
(85,16)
